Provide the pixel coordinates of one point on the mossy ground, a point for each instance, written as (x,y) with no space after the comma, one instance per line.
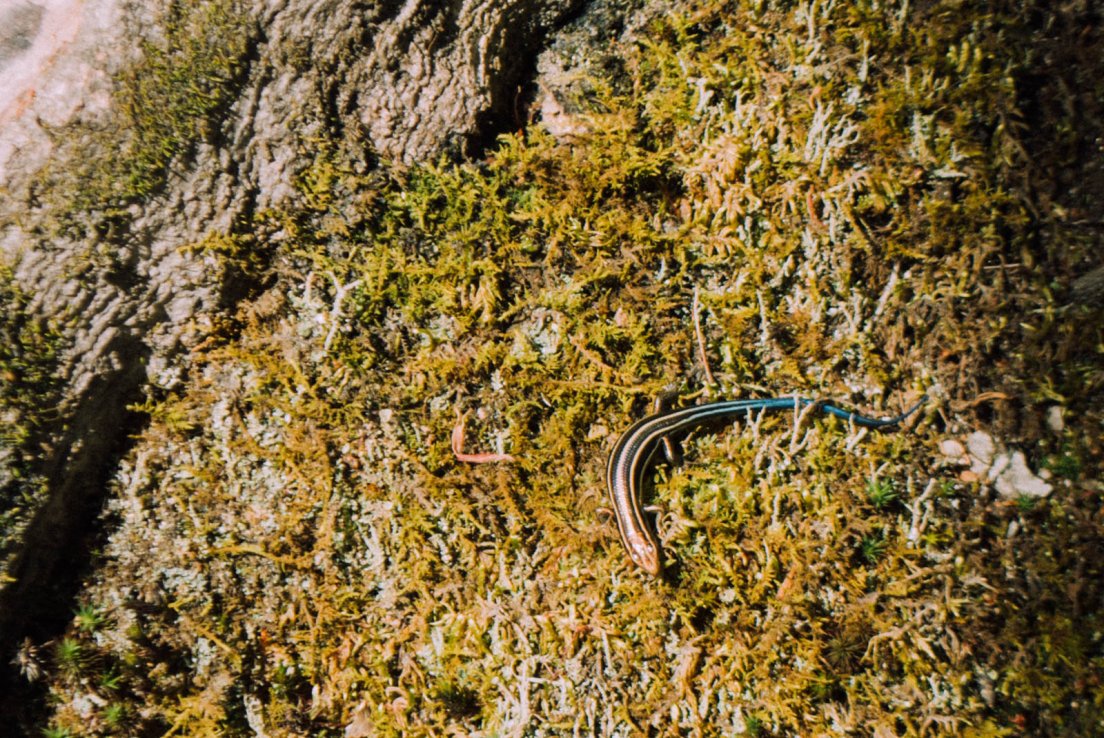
(872,201)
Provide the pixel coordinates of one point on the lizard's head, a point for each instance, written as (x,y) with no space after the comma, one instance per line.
(645,554)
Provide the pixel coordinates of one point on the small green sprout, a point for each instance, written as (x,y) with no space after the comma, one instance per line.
(1066,464)
(1026,503)
(824,686)
(872,547)
(881,492)
(56,733)
(110,680)
(70,655)
(753,725)
(115,715)
(89,618)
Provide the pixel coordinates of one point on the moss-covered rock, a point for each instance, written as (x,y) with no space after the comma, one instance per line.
(856,201)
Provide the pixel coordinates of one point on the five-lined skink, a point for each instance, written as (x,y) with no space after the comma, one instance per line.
(634,450)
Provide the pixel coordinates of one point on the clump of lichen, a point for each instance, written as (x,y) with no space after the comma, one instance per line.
(297,551)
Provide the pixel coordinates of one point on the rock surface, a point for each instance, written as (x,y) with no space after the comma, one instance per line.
(53,69)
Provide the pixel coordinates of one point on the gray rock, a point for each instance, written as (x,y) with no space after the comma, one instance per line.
(981,448)
(954,452)
(1016,480)
(1006,471)
(1055,419)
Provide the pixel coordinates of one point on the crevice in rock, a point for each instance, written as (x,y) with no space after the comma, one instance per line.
(50,568)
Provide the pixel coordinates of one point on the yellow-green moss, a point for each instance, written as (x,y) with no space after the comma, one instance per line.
(843,185)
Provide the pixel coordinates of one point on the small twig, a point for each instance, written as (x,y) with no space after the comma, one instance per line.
(920,516)
(308,288)
(855,438)
(983,397)
(586,385)
(764,322)
(458,447)
(860,227)
(893,277)
(695,309)
(814,219)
